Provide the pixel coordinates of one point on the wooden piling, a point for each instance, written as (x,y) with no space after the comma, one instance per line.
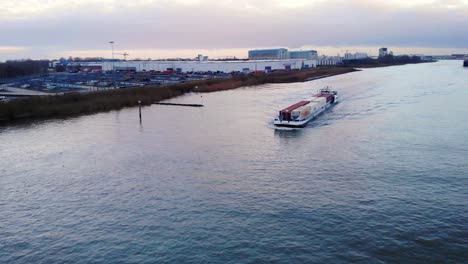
(139,109)
(191,105)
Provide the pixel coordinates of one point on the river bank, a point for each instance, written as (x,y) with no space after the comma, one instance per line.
(368,66)
(74,104)
(386,61)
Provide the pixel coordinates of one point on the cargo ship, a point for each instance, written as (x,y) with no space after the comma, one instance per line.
(465,63)
(300,113)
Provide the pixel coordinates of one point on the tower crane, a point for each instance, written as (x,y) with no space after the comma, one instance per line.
(125,54)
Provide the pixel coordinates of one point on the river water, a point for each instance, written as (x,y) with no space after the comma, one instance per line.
(381,177)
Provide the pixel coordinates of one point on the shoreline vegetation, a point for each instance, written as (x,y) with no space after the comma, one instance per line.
(384,61)
(382,65)
(75,104)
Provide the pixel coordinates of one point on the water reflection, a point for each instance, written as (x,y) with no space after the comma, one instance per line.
(288,132)
(206,185)
(141,130)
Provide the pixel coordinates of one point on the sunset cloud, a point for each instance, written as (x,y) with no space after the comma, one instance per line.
(7,50)
(50,27)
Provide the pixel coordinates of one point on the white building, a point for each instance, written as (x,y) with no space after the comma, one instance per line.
(199,66)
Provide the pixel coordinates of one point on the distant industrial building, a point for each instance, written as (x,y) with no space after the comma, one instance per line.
(303,55)
(268,54)
(383,52)
(196,66)
(282,54)
(200,57)
(423,57)
(329,60)
(355,56)
(460,56)
(427,58)
(265,60)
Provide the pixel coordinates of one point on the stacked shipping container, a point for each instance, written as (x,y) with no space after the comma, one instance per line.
(302,109)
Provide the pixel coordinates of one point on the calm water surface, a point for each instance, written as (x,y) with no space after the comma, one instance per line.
(381,177)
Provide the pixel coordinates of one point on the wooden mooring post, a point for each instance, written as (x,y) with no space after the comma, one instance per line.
(139,109)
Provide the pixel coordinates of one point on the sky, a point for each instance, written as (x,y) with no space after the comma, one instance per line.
(220,28)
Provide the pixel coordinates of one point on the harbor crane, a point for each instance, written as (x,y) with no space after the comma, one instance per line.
(125,54)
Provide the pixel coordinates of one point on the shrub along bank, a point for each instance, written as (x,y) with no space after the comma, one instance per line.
(73,104)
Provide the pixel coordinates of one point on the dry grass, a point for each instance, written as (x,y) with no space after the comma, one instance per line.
(73,104)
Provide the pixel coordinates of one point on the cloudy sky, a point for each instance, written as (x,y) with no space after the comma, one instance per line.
(183,28)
